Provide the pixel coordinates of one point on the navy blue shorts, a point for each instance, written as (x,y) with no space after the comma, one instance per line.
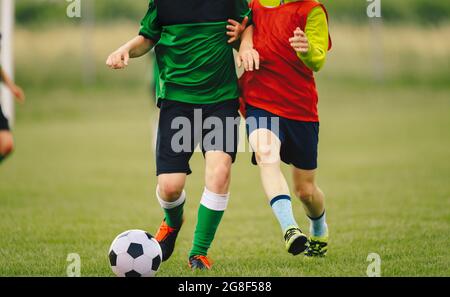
(299,140)
(3,121)
(183,126)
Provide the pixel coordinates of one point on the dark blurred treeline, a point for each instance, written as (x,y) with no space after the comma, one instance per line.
(422,12)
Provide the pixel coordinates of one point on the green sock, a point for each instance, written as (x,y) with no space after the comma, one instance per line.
(174,216)
(210,214)
(208,221)
(173,211)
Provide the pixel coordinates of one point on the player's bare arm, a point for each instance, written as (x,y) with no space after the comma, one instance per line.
(15,89)
(134,48)
(248,56)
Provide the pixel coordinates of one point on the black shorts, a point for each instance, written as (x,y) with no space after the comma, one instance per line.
(3,121)
(299,140)
(183,126)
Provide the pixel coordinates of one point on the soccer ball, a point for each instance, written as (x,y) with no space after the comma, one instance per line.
(135,253)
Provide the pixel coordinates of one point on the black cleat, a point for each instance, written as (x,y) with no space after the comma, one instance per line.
(166,236)
(200,262)
(296,242)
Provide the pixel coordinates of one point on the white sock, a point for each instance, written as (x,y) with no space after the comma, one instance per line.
(213,201)
(170,205)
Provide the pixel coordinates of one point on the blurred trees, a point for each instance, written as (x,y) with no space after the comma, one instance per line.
(421,12)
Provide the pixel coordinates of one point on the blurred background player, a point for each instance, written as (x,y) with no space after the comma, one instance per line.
(292,39)
(154,98)
(6,138)
(196,73)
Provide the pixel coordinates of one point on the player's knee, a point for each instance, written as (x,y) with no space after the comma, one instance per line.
(6,147)
(267,156)
(169,190)
(305,192)
(219,177)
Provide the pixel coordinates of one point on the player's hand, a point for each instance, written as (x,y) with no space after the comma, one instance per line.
(118,59)
(235,29)
(248,57)
(18,93)
(299,41)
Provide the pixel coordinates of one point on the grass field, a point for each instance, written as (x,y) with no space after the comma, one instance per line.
(83,172)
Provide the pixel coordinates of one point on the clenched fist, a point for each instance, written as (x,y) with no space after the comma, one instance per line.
(118,59)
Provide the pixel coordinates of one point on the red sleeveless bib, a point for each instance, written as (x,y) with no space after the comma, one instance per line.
(283,85)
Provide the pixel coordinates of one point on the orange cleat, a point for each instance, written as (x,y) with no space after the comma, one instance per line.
(200,262)
(167,236)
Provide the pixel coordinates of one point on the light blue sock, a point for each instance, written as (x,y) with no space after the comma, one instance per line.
(282,207)
(318,226)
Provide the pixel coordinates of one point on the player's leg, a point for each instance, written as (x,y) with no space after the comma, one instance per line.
(172,169)
(266,146)
(6,138)
(308,192)
(171,196)
(302,153)
(6,144)
(213,204)
(219,145)
(313,201)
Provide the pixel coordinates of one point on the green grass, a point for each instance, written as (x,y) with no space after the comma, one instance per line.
(83,172)
(83,169)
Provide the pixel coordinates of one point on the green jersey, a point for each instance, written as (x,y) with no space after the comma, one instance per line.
(195,62)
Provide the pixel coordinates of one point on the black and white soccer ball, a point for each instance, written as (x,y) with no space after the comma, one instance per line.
(135,253)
